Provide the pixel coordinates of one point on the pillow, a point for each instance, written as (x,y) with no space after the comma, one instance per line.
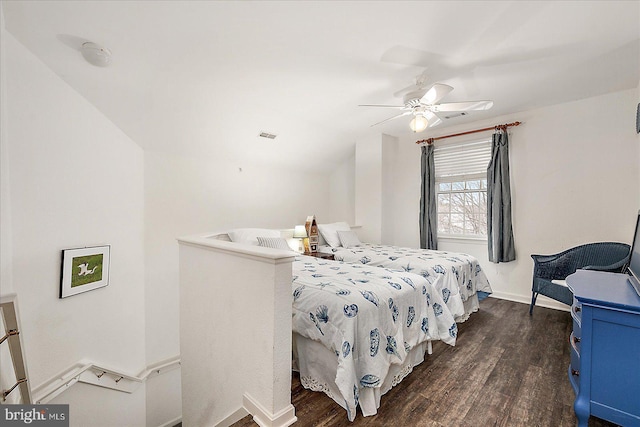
(274,243)
(249,236)
(321,241)
(349,239)
(330,232)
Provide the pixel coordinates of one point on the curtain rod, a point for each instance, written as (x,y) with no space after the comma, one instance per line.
(497,127)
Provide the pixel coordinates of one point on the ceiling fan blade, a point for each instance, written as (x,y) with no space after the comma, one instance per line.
(406,113)
(379,105)
(435,93)
(433,119)
(421,80)
(405,90)
(463,106)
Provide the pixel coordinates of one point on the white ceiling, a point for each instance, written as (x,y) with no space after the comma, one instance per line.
(205,78)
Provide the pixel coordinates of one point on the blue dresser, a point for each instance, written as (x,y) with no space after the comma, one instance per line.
(605,348)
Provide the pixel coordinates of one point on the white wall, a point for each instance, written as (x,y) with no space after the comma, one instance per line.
(187,195)
(389,189)
(74,180)
(6,284)
(574,179)
(374,187)
(368,185)
(342,192)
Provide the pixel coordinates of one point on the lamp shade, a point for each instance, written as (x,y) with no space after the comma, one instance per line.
(418,123)
(299,232)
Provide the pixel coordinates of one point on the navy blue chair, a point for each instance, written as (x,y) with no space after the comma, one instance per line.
(601,256)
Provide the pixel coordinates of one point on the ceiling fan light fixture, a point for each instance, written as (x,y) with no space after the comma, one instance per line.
(418,123)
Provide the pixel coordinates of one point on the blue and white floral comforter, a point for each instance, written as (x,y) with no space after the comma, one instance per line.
(463,276)
(370,317)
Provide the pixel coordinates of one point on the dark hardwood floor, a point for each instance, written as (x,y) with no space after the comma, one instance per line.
(507,369)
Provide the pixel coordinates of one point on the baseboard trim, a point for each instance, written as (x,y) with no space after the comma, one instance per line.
(264,418)
(541,301)
(233,418)
(173,422)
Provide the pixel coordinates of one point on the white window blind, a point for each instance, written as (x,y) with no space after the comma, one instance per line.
(462,160)
(461,187)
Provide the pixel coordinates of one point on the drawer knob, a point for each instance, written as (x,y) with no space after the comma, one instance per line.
(575,372)
(576,340)
(577,309)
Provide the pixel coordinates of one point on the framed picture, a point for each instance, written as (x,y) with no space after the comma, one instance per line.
(84,269)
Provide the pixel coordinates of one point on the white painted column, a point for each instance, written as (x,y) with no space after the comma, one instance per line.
(369,188)
(235,333)
(375,190)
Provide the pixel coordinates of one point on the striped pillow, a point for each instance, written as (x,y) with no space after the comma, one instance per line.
(274,243)
(248,236)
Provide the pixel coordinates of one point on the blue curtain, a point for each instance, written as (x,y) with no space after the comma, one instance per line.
(499,227)
(428,207)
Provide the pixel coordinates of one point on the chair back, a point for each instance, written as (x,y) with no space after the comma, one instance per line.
(590,255)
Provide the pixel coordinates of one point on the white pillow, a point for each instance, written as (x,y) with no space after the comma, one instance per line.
(249,236)
(321,241)
(330,232)
(274,243)
(349,239)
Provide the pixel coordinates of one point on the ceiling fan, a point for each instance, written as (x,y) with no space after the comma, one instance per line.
(421,103)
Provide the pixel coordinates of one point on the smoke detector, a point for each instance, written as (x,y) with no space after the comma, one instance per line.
(96,54)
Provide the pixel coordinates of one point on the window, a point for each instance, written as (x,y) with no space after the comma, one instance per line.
(461,187)
(462,207)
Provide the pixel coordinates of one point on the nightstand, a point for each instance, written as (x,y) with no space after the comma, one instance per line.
(321,255)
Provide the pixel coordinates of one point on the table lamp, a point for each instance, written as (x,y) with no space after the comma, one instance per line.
(300,232)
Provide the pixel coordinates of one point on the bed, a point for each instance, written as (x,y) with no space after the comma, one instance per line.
(457,273)
(358,330)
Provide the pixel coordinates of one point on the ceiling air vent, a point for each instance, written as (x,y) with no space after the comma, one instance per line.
(451,116)
(267,135)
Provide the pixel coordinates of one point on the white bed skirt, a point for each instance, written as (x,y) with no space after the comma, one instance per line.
(318,367)
(471,305)
(318,372)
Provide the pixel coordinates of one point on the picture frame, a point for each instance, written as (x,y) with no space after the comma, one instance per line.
(84,269)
